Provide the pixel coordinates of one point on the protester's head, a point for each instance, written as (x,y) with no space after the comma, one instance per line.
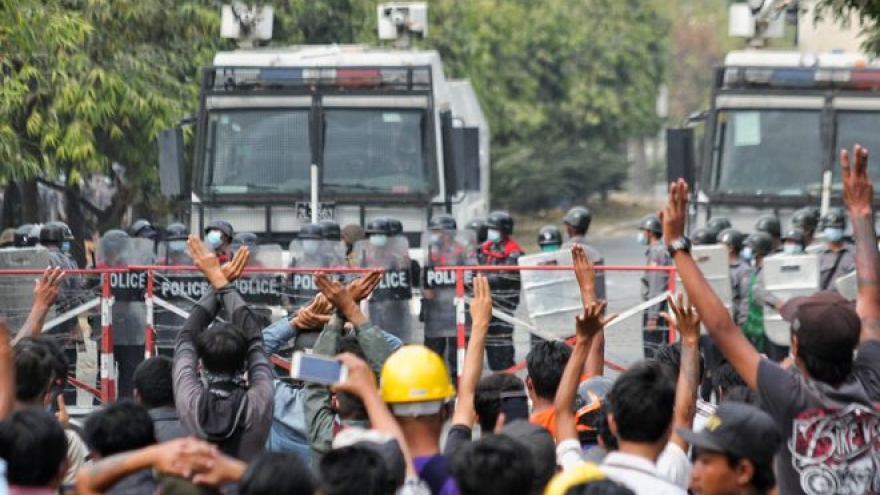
(743,394)
(641,404)
(34,374)
(493,465)
(825,331)
(670,355)
(383,444)
(348,406)
(734,451)
(577,479)
(604,437)
(34,446)
(274,472)
(353,470)
(487,397)
(415,384)
(592,395)
(120,426)
(222,348)
(153,382)
(545,363)
(724,378)
(55,354)
(541,447)
(599,487)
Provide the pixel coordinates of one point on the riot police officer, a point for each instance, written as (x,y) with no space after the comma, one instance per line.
(549,239)
(331,234)
(218,235)
(757,246)
(500,249)
(53,236)
(806,219)
(654,330)
(704,236)
(330,230)
(733,240)
(793,241)
(577,223)
(480,228)
(717,224)
(387,249)
(22,236)
(175,246)
(143,229)
(837,257)
(770,224)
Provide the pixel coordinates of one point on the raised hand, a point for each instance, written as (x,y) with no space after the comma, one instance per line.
(674,214)
(308,320)
(858,191)
(589,324)
(47,287)
(360,379)
(337,294)
(361,288)
(686,319)
(206,261)
(585,273)
(233,269)
(481,305)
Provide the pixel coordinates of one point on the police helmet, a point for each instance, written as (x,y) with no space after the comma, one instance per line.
(330,230)
(760,242)
(717,224)
(834,218)
(142,228)
(34,235)
(732,237)
(223,226)
(806,219)
(68,234)
(549,235)
(395,225)
(579,218)
(176,230)
(51,234)
(703,236)
(113,243)
(796,235)
(651,223)
(500,220)
(246,239)
(769,224)
(442,222)
(479,226)
(379,225)
(21,235)
(311,231)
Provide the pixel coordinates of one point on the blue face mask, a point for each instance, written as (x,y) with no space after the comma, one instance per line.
(747,253)
(379,240)
(549,248)
(493,235)
(177,246)
(792,249)
(65,247)
(833,234)
(436,239)
(311,246)
(214,239)
(642,239)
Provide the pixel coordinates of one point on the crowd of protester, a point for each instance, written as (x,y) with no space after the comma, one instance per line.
(215,418)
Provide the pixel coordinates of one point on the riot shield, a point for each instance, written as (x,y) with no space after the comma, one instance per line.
(128,288)
(389,305)
(178,288)
(444,248)
(310,253)
(713,261)
(17,291)
(787,276)
(264,288)
(553,297)
(847,286)
(173,253)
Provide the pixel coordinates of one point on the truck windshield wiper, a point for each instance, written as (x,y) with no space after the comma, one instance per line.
(357,187)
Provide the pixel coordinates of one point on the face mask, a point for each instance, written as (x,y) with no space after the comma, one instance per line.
(436,239)
(214,239)
(642,239)
(833,234)
(747,253)
(310,246)
(549,248)
(177,246)
(65,247)
(493,235)
(379,240)
(792,249)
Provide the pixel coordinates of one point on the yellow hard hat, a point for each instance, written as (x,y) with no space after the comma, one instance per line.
(577,475)
(416,374)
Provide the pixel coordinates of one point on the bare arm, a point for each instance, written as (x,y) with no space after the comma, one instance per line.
(7,373)
(481,314)
(585,273)
(723,331)
(46,291)
(688,325)
(858,194)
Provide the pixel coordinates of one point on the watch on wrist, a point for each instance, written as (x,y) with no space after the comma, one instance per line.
(681,244)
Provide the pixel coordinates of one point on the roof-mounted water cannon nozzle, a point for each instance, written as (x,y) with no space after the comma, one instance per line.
(402,21)
(246,24)
(758,20)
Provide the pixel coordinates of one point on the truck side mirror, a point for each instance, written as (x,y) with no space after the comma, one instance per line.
(172,178)
(680,155)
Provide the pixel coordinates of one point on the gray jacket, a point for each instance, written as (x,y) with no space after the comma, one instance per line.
(827,261)
(655,283)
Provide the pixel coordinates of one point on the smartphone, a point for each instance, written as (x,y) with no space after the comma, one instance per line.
(317,369)
(515,405)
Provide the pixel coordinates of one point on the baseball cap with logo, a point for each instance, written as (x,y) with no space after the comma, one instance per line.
(825,323)
(738,429)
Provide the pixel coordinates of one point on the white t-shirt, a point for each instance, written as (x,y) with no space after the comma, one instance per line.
(639,475)
(673,463)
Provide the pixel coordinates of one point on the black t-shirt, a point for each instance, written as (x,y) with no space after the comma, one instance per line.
(832,435)
(458,436)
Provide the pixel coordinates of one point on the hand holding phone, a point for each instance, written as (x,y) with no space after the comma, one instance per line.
(317,369)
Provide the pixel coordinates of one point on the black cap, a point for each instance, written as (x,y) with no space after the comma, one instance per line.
(738,429)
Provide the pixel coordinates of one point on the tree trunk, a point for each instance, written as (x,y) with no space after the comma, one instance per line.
(77,223)
(30,201)
(11,216)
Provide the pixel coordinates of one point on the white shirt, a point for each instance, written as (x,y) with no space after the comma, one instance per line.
(674,465)
(639,475)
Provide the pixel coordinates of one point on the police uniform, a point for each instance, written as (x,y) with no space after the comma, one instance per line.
(388,310)
(655,283)
(835,264)
(739,272)
(505,288)
(68,332)
(438,310)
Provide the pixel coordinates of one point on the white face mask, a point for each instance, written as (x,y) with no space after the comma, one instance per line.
(747,253)
(833,234)
(436,239)
(214,239)
(792,249)
(642,239)
(379,240)
(493,235)
(310,246)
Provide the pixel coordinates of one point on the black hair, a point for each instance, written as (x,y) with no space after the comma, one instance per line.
(121,426)
(642,400)
(222,348)
(833,372)
(34,445)
(545,363)
(763,479)
(603,431)
(599,487)
(670,355)
(34,373)
(154,382)
(487,396)
(494,465)
(347,405)
(54,353)
(276,472)
(353,470)
(724,378)
(744,394)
